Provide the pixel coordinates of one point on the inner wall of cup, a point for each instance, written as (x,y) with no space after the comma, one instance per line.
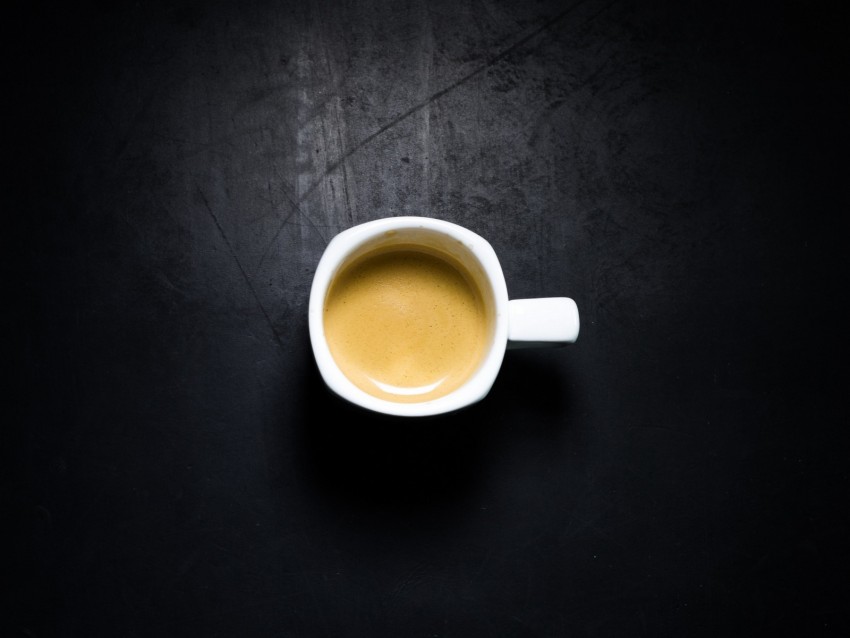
(447,246)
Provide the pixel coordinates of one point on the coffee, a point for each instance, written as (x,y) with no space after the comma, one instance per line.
(406,323)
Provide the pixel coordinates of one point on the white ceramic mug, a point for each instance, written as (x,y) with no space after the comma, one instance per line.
(356,254)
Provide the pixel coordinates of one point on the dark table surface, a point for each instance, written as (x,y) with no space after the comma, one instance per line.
(174,465)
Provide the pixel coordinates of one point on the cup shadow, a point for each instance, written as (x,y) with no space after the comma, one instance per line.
(407,466)
(533,387)
(391,464)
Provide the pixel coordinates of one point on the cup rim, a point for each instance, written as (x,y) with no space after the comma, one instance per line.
(347,242)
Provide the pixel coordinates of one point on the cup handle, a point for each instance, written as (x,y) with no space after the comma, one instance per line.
(542,323)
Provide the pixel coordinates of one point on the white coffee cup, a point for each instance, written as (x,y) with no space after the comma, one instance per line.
(354,313)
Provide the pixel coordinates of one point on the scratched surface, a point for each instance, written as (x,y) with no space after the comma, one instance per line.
(175,466)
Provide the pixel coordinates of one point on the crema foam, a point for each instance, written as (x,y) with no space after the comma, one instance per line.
(406,323)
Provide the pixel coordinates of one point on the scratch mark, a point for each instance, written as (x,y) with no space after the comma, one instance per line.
(273,240)
(413,578)
(330,168)
(166,281)
(344,177)
(602,67)
(337,121)
(239,265)
(296,209)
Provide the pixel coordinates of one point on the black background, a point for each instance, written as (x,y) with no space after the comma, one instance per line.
(173,465)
